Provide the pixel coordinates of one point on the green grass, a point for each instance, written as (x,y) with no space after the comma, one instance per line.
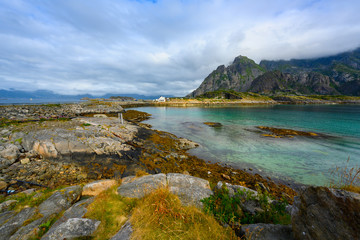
(112,210)
(230,210)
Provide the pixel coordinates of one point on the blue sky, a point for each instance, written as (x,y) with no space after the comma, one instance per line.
(159,47)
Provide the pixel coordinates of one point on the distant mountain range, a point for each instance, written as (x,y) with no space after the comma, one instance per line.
(45,94)
(334,75)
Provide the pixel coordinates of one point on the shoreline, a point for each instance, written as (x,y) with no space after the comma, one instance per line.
(49,153)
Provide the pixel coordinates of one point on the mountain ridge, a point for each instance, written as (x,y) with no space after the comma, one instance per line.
(332,75)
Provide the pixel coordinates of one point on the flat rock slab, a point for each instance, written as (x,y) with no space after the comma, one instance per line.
(78,210)
(262,231)
(95,188)
(189,189)
(60,200)
(15,222)
(74,227)
(139,187)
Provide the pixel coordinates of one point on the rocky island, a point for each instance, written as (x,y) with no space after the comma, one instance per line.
(86,147)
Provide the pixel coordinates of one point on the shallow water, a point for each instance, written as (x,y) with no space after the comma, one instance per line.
(301,159)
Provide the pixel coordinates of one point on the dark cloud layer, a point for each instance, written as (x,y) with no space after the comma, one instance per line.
(159,47)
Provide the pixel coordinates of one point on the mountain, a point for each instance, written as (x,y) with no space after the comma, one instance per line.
(333,75)
(238,76)
(45,94)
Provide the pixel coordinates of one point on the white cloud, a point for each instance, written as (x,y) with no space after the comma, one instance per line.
(166,47)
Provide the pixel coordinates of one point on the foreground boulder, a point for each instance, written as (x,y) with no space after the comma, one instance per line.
(139,187)
(323,213)
(189,189)
(78,210)
(74,227)
(59,201)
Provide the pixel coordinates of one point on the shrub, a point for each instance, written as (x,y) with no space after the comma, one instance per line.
(231,210)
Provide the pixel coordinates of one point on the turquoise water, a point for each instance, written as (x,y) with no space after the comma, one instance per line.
(301,159)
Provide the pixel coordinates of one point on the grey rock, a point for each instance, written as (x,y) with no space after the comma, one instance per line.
(11,152)
(60,200)
(15,222)
(5,205)
(4,216)
(189,189)
(124,233)
(78,210)
(237,188)
(74,227)
(323,213)
(263,231)
(29,230)
(139,187)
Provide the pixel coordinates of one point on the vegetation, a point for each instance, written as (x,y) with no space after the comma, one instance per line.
(346,177)
(28,200)
(230,209)
(112,210)
(160,215)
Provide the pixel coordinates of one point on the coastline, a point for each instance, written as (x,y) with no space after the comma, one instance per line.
(113,150)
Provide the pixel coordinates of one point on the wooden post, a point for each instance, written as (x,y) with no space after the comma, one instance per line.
(121,118)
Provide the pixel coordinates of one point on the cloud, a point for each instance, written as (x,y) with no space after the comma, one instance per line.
(159,47)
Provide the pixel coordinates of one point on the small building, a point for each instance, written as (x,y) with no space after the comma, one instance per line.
(161,99)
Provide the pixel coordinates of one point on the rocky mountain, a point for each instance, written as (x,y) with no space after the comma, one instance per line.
(333,75)
(238,76)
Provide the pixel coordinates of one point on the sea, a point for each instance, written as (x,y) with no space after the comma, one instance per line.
(31,101)
(238,142)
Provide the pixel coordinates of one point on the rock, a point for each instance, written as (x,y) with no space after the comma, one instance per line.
(236,188)
(46,149)
(60,200)
(139,187)
(29,191)
(15,222)
(322,213)
(100,115)
(186,144)
(29,230)
(78,210)
(74,227)
(94,188)
(263,231)
(189,189)
(11,152)
(6,216)
(3,185)
(124,233)
(5,205)
(213,124)
(25,161)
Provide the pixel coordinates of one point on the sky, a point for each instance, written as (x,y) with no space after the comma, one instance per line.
(159,47)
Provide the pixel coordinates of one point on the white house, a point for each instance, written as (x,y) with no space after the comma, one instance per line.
(161,99)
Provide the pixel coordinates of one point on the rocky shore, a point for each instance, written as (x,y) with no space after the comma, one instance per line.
(50,146)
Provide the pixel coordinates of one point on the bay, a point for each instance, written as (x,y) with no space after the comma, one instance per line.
(300,159)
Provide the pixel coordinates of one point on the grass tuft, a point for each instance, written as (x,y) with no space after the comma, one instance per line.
(112,210)
(346,177)
(160,215)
